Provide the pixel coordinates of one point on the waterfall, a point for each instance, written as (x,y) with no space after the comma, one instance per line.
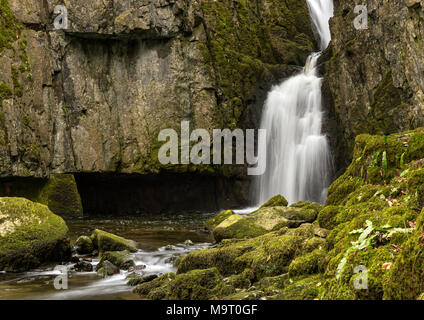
(297,153)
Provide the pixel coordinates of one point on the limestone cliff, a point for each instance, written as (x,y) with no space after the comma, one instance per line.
(374,77)
(93,98)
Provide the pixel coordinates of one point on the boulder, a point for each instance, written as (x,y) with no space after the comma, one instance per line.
(264,220)
(83,266)
(122,259)
(108,269)
(104,241)
(84,245)
(276,201)
(215,221)
(30,235)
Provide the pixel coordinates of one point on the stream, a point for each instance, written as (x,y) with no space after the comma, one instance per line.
(159,238)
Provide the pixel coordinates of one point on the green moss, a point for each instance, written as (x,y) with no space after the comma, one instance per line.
(406,277)
(215,221)
(59,192)
(61,195)
(5,91)
(30,234)
(416,146)
(326,217)
(18,89)
(311,263)
(122,259)
(242,42)
(104,241)
(9,27)
(194,285)
(84,245)
(276,201)
(267,255)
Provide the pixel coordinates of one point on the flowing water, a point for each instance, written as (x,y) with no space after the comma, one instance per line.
(298,159)
(298,166)
(160,239)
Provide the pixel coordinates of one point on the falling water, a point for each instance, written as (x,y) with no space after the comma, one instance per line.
(298,156)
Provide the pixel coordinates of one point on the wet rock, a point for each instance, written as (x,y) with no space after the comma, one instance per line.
(105,241)
(215,221)
(30,234)
(122,259)
(108,269)
(135,281)
(75,259)
(264,220)
(276,201)
(84,245)
(188,243)
(83,267)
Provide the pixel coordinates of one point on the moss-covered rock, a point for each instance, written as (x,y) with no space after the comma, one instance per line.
(108,269)
(276,201)
(264,220)
(310,263)
(157,289)
(61,195)
(194,285)
(122,259)
(104,241)
(84,245)
(215,221)
(9,27)
(326,217)
(30,235)
(267,255)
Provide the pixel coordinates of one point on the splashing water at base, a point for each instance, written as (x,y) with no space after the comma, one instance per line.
(297,153)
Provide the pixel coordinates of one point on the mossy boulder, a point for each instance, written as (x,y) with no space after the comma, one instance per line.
(276,201)
(84,245)
(61,195)
(104,241)
(122,259)
(215,221)
(157,289)
(194,285)
(108,269)
(266,255)
(264,220)
(30,235)
(310,263)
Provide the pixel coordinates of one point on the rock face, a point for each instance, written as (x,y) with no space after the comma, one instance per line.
(94,97)
(374,78)
(30,235)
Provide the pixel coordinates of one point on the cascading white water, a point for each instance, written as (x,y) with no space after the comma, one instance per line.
(298,155)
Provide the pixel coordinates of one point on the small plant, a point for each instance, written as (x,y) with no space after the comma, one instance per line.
(384,163)
(369,237)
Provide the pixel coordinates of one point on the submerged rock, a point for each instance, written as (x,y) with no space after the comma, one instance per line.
(122,259)
(30,235)
(83,266)
(108,269)
(104,241)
